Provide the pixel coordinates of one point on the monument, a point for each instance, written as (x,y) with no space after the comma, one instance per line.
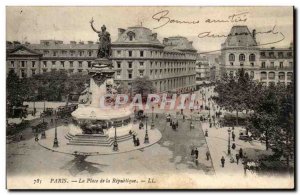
(93,124)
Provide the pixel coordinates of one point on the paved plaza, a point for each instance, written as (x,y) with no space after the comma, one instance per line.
(170,153)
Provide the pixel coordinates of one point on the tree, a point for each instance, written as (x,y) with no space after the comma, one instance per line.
(286,124)
(237,93)
(143,86)
(273,118)
(16,89)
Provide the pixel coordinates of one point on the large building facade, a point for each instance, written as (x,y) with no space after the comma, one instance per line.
(267,65)
(137,52)
(203,73)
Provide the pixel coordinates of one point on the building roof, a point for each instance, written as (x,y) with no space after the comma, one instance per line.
(240,36)
(178,43)
(141,35)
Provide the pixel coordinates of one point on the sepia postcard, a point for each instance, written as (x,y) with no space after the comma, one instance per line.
(150,97)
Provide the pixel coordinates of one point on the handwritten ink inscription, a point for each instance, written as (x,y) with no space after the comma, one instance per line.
(163,18)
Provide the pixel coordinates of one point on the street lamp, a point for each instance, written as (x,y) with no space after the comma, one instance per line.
(55,142)
(146,140)
(43,136)
(152,122)
(115,148)
(228,149)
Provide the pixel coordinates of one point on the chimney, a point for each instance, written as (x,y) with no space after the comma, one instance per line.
(81,42)
(73,42)
(254,34)
(120,31)
(90,42)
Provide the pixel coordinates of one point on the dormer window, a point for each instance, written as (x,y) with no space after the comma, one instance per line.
(131,35)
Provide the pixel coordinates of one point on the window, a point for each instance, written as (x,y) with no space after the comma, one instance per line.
(141,63)
(263,64)
(129,64)
(231,57)
(79,70)
(252,74)
(64,52)
(130,37)
(81,53)
(263,75)
(71,63)
(241,64)
(271,75)
(142,53)
(262,54)
(44,70)
(129,74)
(130,53)
(252,57)
(281,65)
(252,64)
(118,73)
(22,64)
(72,53)
(119,52)
(45,64)
(62,63)
(289,76)
(271,54)
(80,64)
(231,63)
(289,54)
(281,76)
(90,53)
(54,53)
(118,64)
(89,64)
(280,54)
(33,64)
(53,63)
(242,57)
(12,63)
(33,71)
(272,65)
(23,73)
(46,52)
(141,73)
(291,64)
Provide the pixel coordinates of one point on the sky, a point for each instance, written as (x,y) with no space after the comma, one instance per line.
(33,24)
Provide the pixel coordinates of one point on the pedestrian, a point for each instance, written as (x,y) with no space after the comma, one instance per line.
(237,156)
(233,146)
(233,136)
(241,153)
(141,125)
(134,140)
(137,142)
(36,137)
(156,115)
(196,153)
(210,125)
(21,136)
(192,153)
(183,117)
(207,155)
(223,161)
(206,133)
